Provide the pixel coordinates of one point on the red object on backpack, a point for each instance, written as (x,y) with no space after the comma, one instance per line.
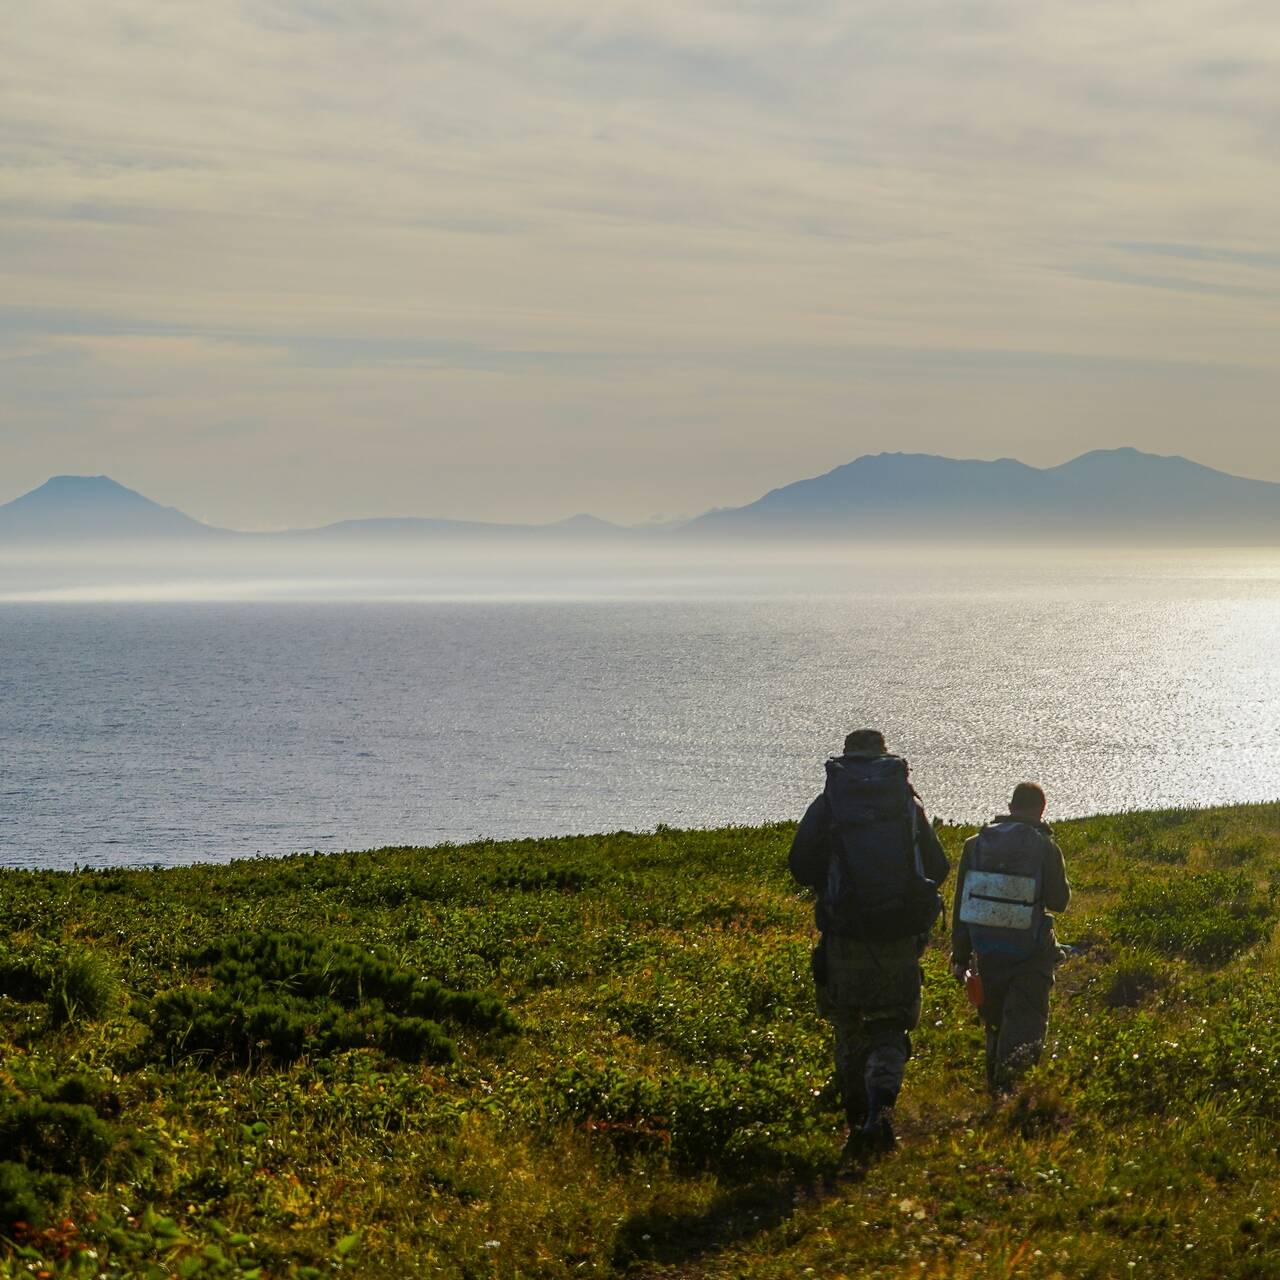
(973,988)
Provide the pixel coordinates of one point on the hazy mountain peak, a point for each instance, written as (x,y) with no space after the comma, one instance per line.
(920,464)
(103,483)
(1127,455)
(72,488)
(583,522)
(74,507)
(1119,495)
(75,488)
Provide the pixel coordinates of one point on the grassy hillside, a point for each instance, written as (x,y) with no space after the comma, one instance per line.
(593,1056)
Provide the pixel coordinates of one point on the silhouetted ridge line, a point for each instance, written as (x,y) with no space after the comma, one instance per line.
(1117,495)
(1105,495)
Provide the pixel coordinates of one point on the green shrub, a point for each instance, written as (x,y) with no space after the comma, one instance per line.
(1208,917)
(221,1024)
(23,978)
(1236,853)
(417,1040)
(1131,1064)
(540,880)
(55,1137)
(311,968)
(26,1196)
(281,996)
(81,987)
(1130,980)
(79,1090)
(726,1117)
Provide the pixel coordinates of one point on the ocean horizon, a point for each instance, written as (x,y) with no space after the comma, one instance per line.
(144,726)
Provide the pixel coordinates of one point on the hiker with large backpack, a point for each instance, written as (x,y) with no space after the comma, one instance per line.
(871,856)
(1012,875)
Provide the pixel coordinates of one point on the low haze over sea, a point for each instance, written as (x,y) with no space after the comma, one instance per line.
(172,720)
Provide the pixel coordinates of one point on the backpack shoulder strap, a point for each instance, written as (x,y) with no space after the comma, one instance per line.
(913,821)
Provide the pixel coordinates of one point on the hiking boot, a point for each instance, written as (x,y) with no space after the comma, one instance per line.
(874,1138)
(854,1152)
(878,1137)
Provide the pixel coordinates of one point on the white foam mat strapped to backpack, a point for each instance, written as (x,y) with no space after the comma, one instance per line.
(997,901)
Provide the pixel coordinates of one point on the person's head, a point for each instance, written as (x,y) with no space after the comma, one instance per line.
(865,742)
(1027,802)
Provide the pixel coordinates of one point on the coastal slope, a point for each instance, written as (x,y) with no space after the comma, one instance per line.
(599,1055)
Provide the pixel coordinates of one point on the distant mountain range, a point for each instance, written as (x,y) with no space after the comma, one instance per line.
(1115,495)
(1110,494)
(81,509)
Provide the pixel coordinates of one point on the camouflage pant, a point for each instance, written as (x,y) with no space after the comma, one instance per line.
(871,997)
(1015,1011)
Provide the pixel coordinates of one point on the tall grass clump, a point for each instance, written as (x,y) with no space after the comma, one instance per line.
(76,984)
(81,987)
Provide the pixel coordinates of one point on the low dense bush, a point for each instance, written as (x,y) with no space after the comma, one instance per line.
(223,1026)
(1142,1065)
(280,996)
(27,1196)
(1130,979)
(1209,916)
(54,1132)
(724,1117)
(722,1006)
(23,977)
(310,967)
(58,1137)
(539,880)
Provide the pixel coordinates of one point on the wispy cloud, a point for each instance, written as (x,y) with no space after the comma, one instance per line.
(524,256)
(1206,253)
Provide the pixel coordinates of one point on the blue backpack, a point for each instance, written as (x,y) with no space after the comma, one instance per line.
(876,888)
(1002,896)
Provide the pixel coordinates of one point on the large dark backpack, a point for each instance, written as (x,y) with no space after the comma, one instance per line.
(1002,896)
(876,888)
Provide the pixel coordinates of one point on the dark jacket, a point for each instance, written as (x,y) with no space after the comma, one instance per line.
(811,851)
(1054,886)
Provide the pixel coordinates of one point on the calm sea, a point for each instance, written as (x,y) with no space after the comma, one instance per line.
(180,730)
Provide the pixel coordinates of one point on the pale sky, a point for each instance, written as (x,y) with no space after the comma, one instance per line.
(283,261)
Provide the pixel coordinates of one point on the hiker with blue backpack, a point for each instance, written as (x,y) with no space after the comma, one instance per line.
(1012,875)
(872,858)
